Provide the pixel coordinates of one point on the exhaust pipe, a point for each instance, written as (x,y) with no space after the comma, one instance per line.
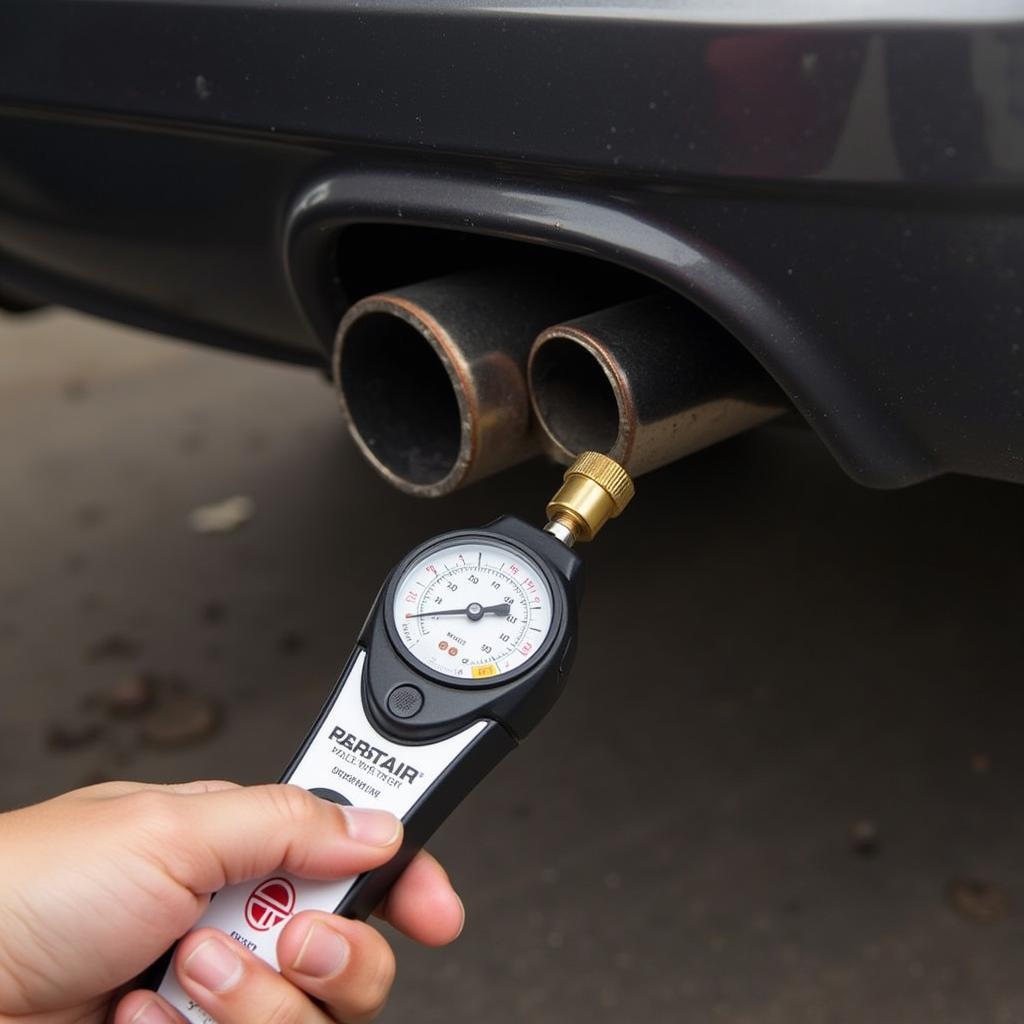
(647,382)
(432,377)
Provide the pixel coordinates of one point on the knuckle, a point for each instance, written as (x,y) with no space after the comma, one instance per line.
(211,785)
(155,812)
(104,789)
(291,803)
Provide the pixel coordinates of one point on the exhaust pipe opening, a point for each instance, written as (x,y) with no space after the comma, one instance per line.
(574,396)
(432,376)
(646,382)
(404,409)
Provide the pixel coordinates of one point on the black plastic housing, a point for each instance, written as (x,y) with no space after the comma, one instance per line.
(517,704)
(513,708)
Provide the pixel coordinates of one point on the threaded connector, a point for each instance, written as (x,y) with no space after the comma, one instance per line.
(595,489)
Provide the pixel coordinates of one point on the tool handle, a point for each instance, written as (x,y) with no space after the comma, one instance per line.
(346,759)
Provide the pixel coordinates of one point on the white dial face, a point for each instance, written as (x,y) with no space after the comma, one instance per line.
(473,610)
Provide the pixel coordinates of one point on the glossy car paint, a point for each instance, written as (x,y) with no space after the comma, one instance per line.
(841,185)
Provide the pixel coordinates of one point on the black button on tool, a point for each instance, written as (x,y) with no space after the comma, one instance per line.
(330,794)
(405,701)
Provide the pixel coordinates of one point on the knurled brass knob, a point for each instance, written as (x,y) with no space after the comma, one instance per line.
(596,489)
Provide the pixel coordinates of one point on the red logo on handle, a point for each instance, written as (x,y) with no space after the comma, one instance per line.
(270,903)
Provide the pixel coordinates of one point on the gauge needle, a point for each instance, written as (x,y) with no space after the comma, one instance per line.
(473,612)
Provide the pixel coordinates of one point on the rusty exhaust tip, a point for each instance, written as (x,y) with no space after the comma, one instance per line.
(432,377)
(397,390)
(646,382)
(575,395)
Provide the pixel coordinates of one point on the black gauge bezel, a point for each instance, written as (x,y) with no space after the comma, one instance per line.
(556,588)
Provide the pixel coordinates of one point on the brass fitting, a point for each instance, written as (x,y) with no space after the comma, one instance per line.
(596,489)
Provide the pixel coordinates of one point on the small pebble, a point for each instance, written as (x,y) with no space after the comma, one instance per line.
(75,389)
(181,720)
(129,697)
(89,515)
(977,900)
(114,645)
(74,563)
(864,838)
(213,613)
(291,642)
(75,732)
(223,516)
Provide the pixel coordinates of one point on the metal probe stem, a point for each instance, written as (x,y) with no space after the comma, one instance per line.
(557,528)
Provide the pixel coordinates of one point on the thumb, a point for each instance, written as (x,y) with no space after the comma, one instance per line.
(226,836)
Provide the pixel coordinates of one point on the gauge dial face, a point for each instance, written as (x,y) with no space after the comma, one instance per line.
(473,610)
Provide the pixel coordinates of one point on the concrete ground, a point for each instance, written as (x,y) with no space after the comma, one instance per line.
(783,786)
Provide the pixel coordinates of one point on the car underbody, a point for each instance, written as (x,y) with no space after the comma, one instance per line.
(841,194)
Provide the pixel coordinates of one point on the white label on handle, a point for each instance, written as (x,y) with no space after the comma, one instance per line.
(347,755)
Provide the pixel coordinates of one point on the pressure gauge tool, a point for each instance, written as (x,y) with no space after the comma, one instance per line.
(464,651)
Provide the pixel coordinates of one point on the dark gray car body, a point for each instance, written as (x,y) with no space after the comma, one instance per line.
(841,185)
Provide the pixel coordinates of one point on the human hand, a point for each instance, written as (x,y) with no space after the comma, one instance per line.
(98,883)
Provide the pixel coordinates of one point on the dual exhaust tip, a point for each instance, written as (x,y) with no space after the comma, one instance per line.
(448,381)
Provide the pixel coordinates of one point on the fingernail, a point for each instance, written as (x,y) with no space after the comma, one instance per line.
(462,907)
(152,1013)
(375,828)
(214,965)
(323,954)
